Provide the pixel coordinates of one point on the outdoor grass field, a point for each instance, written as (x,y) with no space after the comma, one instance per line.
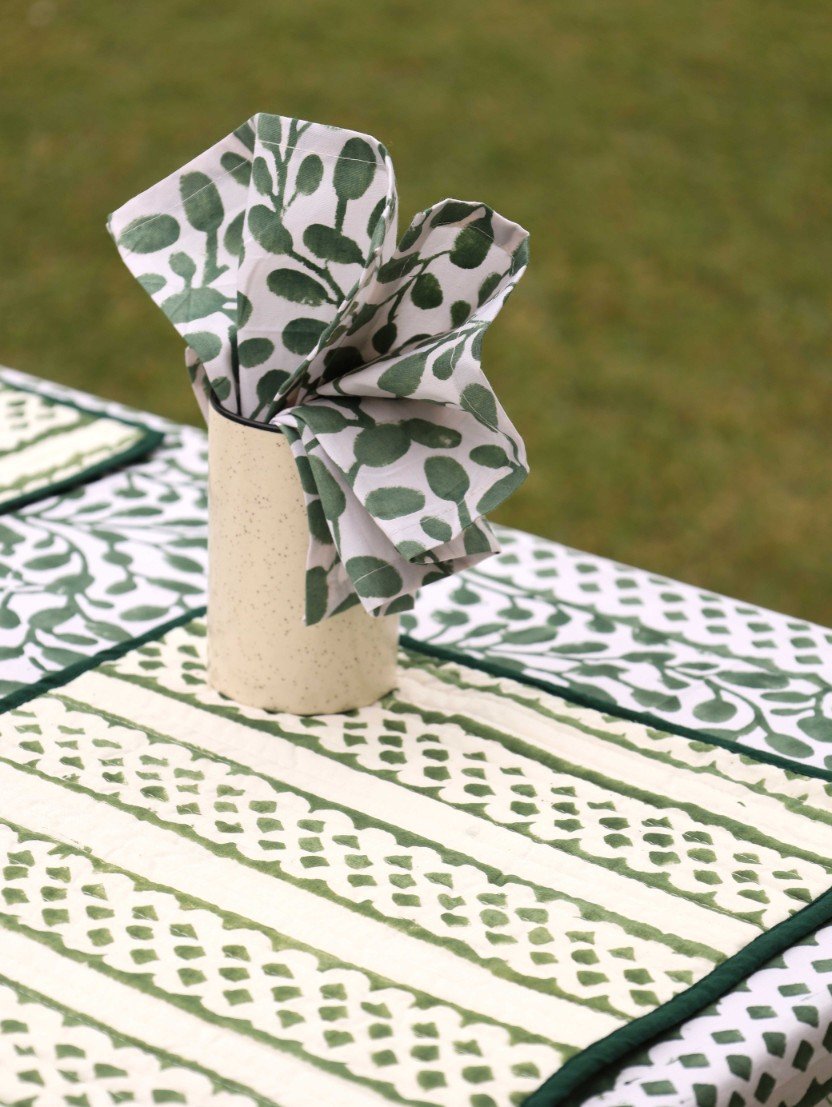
(667,356)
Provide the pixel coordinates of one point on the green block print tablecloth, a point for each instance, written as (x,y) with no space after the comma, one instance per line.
(47,446)
(470,894)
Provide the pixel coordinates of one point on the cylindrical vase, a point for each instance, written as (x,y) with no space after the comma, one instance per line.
(260,652)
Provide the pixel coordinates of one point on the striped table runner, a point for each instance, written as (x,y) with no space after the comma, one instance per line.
(472,894)
(48,445)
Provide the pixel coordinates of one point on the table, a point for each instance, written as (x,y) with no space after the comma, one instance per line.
(120,560)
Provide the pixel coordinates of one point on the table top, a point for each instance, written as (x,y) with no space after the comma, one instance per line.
(101,599)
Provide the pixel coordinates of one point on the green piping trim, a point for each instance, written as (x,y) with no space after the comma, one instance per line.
(50,681)
(606,707)
(587,1064)
(817,1095)
(148,441)
(168,1060)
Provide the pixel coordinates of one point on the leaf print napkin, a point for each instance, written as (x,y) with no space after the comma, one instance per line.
(274,255)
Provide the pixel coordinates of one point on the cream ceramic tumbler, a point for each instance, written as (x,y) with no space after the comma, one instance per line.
(260,652)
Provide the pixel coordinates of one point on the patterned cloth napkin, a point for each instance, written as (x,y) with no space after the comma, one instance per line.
(274,255)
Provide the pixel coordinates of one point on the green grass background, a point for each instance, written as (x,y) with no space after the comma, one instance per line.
(667,356)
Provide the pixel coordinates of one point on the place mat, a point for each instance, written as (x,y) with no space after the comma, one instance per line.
(49,445)
(471,893)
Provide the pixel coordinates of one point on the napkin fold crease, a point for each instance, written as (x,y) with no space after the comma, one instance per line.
(274,255)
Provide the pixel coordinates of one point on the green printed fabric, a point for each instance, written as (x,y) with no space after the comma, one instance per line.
(472,893)
(46,445)
(274,255)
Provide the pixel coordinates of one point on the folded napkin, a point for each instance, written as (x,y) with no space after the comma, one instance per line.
(274,255)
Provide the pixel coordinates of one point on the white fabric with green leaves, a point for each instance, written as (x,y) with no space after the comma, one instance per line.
(274,255)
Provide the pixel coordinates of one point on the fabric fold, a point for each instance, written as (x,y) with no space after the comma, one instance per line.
(274,255)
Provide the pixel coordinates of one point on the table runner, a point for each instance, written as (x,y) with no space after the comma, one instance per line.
(739,1054)
(442,898)
(47,446)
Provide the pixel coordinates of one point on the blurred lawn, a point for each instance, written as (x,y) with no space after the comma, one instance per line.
(667,354)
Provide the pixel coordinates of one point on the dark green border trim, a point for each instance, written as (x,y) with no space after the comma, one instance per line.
(561,1089)
(605,707)
(148,441)
(51,681)
(585,1066)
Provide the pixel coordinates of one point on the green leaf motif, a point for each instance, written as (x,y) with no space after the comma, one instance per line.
(254,351)
(426,292)
(460,310)
(382,444)
(192,303)
(221,387)
(205,345)
(149,233)
(470,248)
(238,167)
(233,237)
(310,172)
(480,401)
(354,170)
(437,529)
(324,420)
(398,267)
(152,283)
(817,727)
(373,577)
(270,384)
(333,499)
(714,711)
(446,477)
(492,457)
(317,594)
(755,679)
(501,490)
(432,435)
(487,288)
(301,336)
(384,337)
(402,378)
(268,230)
(183,266)
(331,245)
(244,309)
(318,526)
(394,502)
(294,285)
(262,177)
(453,211)
(201,201)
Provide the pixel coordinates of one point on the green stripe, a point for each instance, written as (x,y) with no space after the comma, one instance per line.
(82,460)
(148,440)
(166,1059)
(309,741)
(42,436)
(453,677)
(585,1066)
(593,912)
(652,800)
(232,921)
(607,707)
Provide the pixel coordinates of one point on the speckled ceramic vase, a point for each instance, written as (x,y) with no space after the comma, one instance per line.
(260,652)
